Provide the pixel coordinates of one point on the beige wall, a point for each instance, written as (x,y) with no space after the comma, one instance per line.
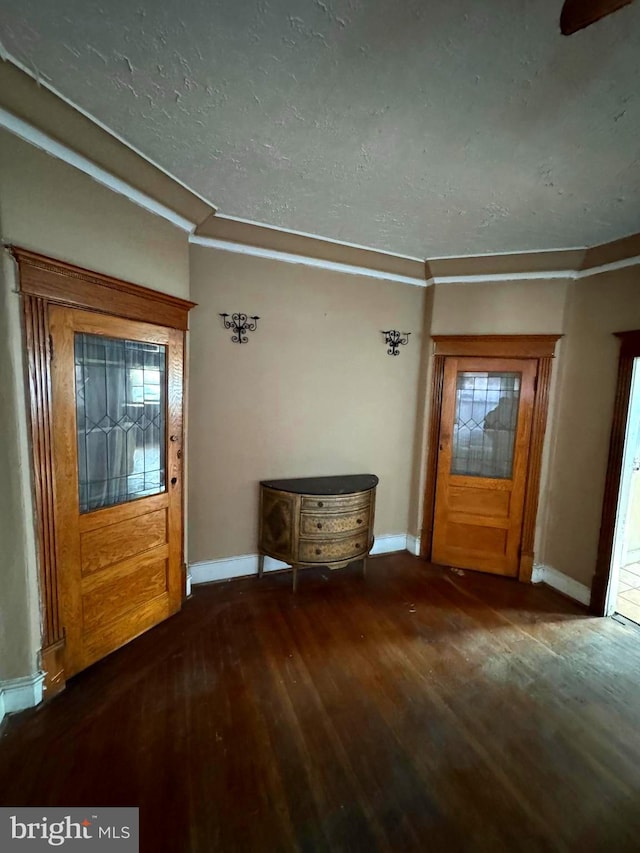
(500,308)
(47,206)
(313,392)
(600,306)
(50,207)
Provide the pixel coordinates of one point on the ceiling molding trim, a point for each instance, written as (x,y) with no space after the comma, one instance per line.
(44,142)
(319,237)
(533,275)
(614,265)
(608,253)
(505,276)
(522,254)
(245,233)
(304,260)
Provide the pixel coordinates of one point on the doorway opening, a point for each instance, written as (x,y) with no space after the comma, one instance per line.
(623,595)
(619,525)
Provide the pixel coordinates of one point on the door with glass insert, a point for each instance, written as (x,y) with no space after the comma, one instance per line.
(485,428)
(116,390)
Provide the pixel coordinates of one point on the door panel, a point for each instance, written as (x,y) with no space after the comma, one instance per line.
(117,433)
(485,429)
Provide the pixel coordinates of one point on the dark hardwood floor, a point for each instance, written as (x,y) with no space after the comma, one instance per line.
(414,710)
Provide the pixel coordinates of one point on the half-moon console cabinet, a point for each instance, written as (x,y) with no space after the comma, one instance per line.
(317,521)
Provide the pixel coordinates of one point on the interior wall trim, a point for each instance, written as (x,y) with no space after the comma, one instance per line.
(292,232)
(18,694)
(304,260)
(561,583)
(495,346)
(67,284)
(413,544)
(246,565)
(610,267)
(29,133)
(510,276)
(536,275)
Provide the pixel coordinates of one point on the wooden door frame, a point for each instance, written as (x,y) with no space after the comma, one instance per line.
(629,350)
(42,282)
(538,347)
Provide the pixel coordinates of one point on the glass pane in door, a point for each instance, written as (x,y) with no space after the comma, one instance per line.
(120,414)
(484,427)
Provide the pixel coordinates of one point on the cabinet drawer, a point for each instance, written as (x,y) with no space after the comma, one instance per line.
(323,551)
(320,524)
(335,503)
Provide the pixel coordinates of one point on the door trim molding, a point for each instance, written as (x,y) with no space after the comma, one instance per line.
(43,281)
(495,346)
(538,347)
(57,281)
(629,350)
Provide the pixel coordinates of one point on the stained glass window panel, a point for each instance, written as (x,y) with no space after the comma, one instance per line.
(120,413)
(485,422)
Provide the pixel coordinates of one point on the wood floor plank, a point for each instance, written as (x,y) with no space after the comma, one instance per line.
(416,709)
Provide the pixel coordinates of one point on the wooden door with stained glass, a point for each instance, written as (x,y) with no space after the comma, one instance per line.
(485,429)
(116,389)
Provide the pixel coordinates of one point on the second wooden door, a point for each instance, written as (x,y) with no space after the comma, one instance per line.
(485,430)
(116,390)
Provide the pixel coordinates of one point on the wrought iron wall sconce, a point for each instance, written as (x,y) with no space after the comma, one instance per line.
(394,339)
(240,325)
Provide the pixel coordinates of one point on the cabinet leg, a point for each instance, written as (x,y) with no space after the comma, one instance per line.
(364,567)
(260,565)
(295,577)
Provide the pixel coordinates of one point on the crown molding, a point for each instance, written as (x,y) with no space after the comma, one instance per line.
(521,264)
(611,267)
(317,237)
(293,247)
(304,260)
(563,264)
(493,277)
(626,248)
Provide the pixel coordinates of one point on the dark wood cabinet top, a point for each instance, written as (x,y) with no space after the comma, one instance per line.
(344,485)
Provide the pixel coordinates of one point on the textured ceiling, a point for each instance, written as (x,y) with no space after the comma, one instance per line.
(421,128)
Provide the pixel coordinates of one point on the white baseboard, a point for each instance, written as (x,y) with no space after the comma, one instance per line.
(389,544)
(247,564)
(17,694)
(413,544)
(231,567)
(563,583)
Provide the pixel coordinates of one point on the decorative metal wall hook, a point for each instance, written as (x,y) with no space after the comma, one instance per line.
(394,339)
(240,325)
